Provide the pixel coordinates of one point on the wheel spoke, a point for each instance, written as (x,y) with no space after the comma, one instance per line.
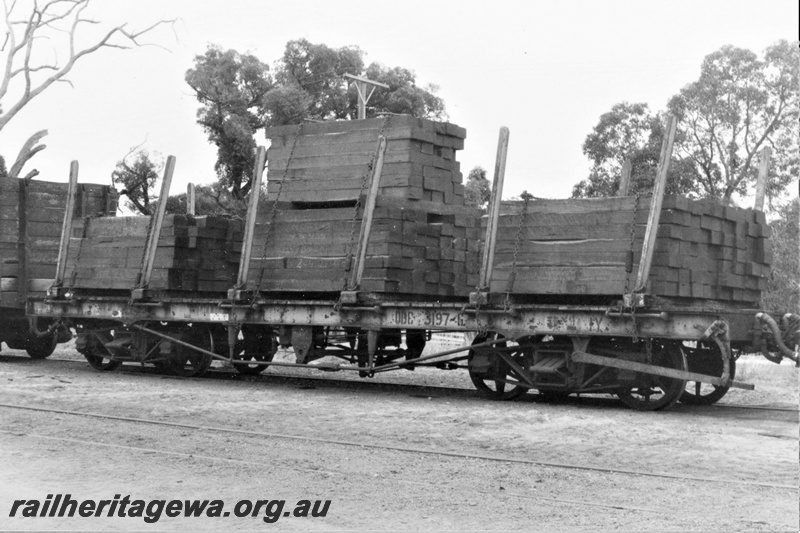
(706,360)
(491,380)
(660,392)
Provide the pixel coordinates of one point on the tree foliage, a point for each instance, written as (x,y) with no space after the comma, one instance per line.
(783,287)
(631,132)
(211,199)
(477,190)
(137,172)
(33,31)
(739,105)
(231,88)
(239,95)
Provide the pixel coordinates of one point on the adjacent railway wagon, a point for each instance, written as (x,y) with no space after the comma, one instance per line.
(364,248)
(31,220)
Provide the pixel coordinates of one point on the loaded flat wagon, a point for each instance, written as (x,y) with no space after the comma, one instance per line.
(32,215)
(365,248)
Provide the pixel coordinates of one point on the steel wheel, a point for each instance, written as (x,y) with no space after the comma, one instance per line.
(554,396)
(490,373)
(185,361)
(650,393)
(104,363)
(258,346)
(41,347)
(92,348)
(705,360)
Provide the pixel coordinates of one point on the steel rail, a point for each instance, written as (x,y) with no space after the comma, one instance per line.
(250,463)
(408,449)
(215,373)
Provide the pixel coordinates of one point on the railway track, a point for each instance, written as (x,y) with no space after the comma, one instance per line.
(343,380)
(363,445)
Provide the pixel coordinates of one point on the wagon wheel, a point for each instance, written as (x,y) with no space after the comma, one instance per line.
(489,372)
(258,347)
(554,396)
(96,353)
(705,361)
(186,362)
(41,347)
(649,392)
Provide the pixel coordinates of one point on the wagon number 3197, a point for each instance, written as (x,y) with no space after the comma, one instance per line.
(437,319)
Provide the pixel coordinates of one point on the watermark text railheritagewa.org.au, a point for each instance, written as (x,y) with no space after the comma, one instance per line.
(151,511)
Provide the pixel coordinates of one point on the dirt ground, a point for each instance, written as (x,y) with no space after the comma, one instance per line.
(585,465)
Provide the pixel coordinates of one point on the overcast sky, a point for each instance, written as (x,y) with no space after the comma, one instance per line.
(545,69)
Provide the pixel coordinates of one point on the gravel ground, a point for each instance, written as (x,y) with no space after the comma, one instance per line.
(395,457)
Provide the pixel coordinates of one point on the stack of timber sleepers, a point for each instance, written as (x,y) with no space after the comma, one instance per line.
(328,161)
(31,218)
(703,251)
(708,251)
(415,248)
(193,254)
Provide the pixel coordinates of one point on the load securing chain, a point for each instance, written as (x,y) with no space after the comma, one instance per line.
(631,253)
(356,208)
(84,234)
(512,276)
(139,279)
(273,214)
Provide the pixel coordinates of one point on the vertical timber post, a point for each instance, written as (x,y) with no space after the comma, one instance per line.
(250,224)
(350,294)
(190,199)
(155,232)
(763,175)
(487,265)
(648,247)
(362,85)
(22,243)
(369,212)
(66,231)
(625,179)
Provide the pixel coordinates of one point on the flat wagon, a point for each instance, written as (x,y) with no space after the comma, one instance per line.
(31,220)
(649,341)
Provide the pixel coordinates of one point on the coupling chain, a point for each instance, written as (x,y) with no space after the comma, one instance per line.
(273,214)
(369,171)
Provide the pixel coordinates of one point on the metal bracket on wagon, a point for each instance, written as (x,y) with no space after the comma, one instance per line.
(718,332)
(634,300)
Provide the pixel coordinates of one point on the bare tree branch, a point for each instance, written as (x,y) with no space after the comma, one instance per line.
(61,16)
(28,150)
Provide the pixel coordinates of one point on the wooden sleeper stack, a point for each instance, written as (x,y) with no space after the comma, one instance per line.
(31,218)
(419,163)
(193,254)
(423,241)
(703,250)
(411,250)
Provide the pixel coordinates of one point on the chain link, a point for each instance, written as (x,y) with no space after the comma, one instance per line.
(139,280)
(629,260)
(272,215)
(364,182)
(84,233)
(526,198)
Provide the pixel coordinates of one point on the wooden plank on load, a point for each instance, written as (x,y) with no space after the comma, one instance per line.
(573,206)
(386,123)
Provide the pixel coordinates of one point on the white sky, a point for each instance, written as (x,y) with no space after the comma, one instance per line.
(545,69)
